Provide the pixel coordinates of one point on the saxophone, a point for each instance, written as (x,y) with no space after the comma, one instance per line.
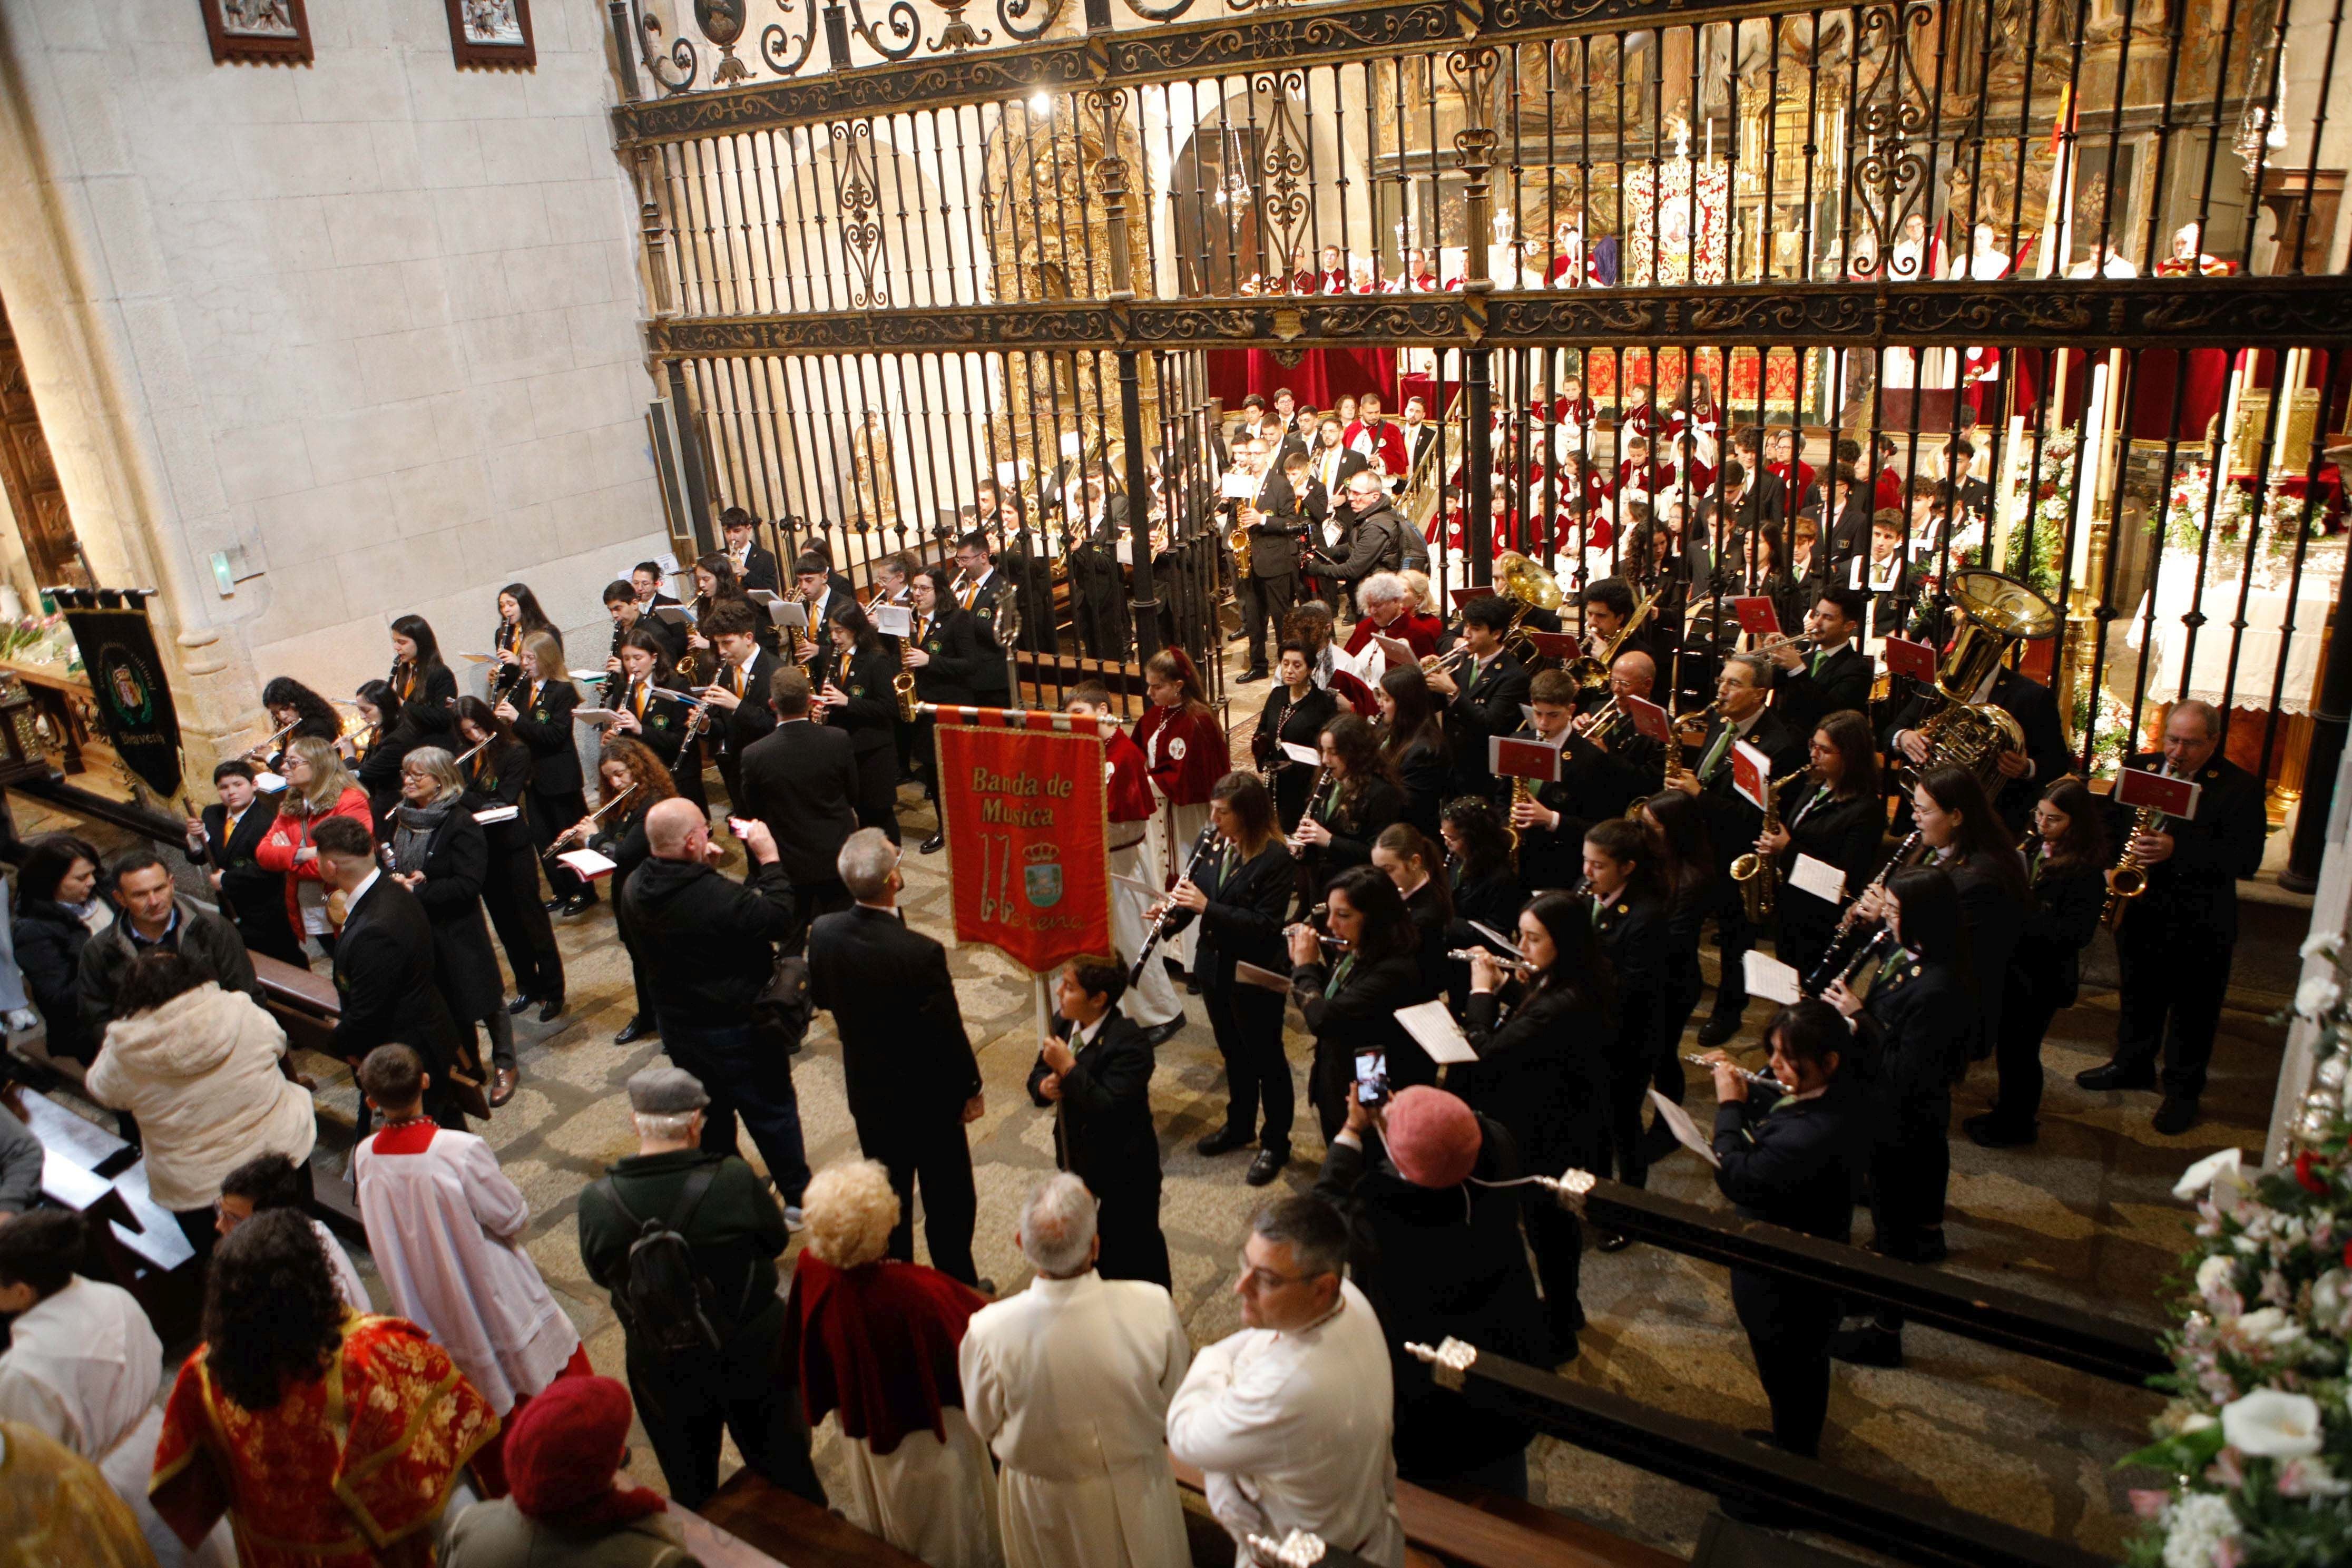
(2128,880)
(1522,793)
(1759,875)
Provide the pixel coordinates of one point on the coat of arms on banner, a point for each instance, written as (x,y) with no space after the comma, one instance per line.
(1042,876)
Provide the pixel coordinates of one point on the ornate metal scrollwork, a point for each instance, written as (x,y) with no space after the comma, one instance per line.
(1013,16)
(1282,179)
(775,37)
(1169,13)
(906,29)
(680,54)
(957,34)
(857,194)
(1891,112)
(722,22)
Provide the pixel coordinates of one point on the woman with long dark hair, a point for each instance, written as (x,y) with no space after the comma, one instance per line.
(306,1423)
(56,896)
(1358,800)
(540,709)
(627,773)
(439,853)
(2066,866)
(1543,1071)
(1630,918)
(1413,863)
(1479,874)
(1835,815)
(497,774)
(392,733)
(859,698)
(1296,711)
(1413,744)
(419,676)
(1350,1005)
(518,616)
(1919,1026)
(1966,835)
(291,702)
(1238,898)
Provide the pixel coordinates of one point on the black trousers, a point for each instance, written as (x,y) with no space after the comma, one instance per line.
(814,899)
(1128,1221)
(877,790)
(274,937)
(1731,988)
(2174,974)
(687,1402)
(1789,1328)
(2025,1014)
(1264,600)
(1557,1239)
(1247,1023)
(510,894)
(1910,1167)
(550,814)
(940,1160)
(1630,1078)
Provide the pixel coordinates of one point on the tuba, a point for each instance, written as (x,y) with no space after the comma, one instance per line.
(1520,579)
(1995,614)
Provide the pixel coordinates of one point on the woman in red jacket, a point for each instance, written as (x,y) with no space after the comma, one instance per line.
(1185,751)
(317,787)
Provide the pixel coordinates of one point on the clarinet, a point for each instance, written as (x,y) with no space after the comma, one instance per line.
(1314,794)
(697,721)
(617,681)
(1838,956)
(509,675)
(1159,927)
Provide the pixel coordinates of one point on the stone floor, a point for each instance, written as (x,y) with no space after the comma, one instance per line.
(2084,1217)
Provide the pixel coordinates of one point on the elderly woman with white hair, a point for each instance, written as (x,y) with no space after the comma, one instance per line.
(1387,601)
(440,853)
(874,1344)
(1069,1382)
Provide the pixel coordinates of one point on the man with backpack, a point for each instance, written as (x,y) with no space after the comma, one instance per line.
(687,1241)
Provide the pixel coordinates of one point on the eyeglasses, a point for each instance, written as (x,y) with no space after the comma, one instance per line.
(1260,1280)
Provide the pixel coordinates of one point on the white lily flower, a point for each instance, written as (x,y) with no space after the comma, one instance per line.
(2316,997)
(2201,1174)
(2272,1424)
(2323,944)
(2214,1274)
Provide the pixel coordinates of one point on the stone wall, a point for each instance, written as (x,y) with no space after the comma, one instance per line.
(370,321)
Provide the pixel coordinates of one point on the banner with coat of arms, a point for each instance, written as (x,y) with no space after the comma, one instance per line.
(126,676)
(1027,822)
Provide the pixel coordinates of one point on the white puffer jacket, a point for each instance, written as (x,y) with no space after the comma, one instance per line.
(201,1075)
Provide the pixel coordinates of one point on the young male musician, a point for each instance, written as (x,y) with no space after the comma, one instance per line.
(1550,826)
(1608,605)
(222,839)
(813,585)
(646,577)
(983,594)
(755,563)
(629,613)
(1808,687)
(1486,702)
(738,693)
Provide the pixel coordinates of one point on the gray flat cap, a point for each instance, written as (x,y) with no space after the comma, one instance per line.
(665,1091)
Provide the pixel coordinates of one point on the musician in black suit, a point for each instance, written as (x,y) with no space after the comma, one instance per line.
(646,577)
(2174,944)
(631,615)
(540,710)
(755,563)
(1807,687)
(2023,775)
(222,841)
(1608,605)
(1287,505)
(1296,711)
(861,702)
(1550,822)
(1732,821)
(1629,914)
(1359,799)
(906,1063)
(737,691)
(950,659)
(1485,701)
(1098,609)
(497,774)
(1239,896)
(1610,765)
(383,966)
(2068,871)
(1350,1005)
(1834,814)
(983,596)
(801,779)
(1792,1159)
(1096,1068)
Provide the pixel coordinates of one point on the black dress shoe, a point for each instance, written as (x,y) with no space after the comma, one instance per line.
(1717,1030)
(1253,673)
(2115,1075)
(985,1286)
(1266,1166)
(933,845)
(552,1011)
(521,1006)
(1931,1247)
(1159,1035)
(638,1029)
(1867,1345)
(1223,1140)
(578,904)
(1990,1131)
(553,905)
(2177,1115)
(1616,1241)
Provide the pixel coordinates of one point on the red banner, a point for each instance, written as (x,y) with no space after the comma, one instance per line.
(1025,820)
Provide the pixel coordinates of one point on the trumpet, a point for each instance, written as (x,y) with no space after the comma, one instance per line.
(1433,663)
(1802,642)
(1522,968)
(1755,1079)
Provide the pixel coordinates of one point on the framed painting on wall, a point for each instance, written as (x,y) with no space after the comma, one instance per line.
(491,34)
(268,32)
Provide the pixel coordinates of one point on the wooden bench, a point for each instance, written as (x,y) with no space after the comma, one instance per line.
(789,1529)
(134,1241)
(1479,1529)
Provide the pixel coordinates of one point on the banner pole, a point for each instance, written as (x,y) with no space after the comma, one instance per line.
(1045,1005)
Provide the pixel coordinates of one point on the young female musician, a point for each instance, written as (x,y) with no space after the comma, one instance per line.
(518,616)
(1691,888)
(1413,744)
(859,699)
(316,787)
(1543,1071)
(945,649)
(419,676)
(391,733)
(1358,799)
(714,580)
(1183,749)
(498,773)
(540,709)
(291,702)
(1918,1026)
(2066,868)
(1413,863)
(1836,815)
(620,836)
(1478,869)
(1969,839)
(1629,919)
(1351,1005)
(1237,899)
(645,669)
(1295,711)
(439,853)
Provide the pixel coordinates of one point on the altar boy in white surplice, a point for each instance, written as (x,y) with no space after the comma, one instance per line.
(1069,1383)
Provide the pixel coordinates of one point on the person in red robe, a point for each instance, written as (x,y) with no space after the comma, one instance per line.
(1184,753)
(1389,612)
(1152,1002)
(1372,435)
(1333,279)
(1780,441)
(330,1439)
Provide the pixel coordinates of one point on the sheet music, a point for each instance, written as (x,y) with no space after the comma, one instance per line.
(587,862)
(1819,877)
(1434,1028)
(491,816)
(1685,1131)
(894,620)
(1307,755)
(1769,977)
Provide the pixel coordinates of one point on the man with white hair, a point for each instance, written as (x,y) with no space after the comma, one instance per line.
(1291,1418)
(1069,1383)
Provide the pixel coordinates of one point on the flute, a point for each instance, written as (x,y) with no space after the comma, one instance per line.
(263,750)
(1519,966)
(462,758)
(583,826)
(1337,943)
(1755,1079)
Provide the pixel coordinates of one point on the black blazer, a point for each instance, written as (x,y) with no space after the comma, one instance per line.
(986,601)
(962,659)
(1633,928)
(906,1061)
(1424,771)
(759,568)
(543,722)
(457,864)
(1274,540)
(1544,1072)
(1244,921)
(256,898)
(2028,702)
(1494,899)
(2197,889)
(1796,1164)
(1299,721)
(384,975)
(1362,1018)
(379,772)
(1354,825)
(2046,964)
(1803,697)
(1483,707)
(1918,1031)
(1994,919)
(1104,1132)
(499,776)
(48,938)
(1732,824)
(1844,832)
(800,780)
(753,718)
(871,717)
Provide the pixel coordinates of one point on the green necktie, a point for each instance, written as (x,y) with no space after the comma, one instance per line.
(1339,976)
(1887,967)
(1815,666)
(1713,758)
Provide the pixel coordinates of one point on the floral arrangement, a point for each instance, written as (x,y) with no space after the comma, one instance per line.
(2110,729)
(2281,521)
(2258,1434)
(2032,551)
(34,639)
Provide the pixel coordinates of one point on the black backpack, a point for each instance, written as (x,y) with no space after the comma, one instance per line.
(664,1296)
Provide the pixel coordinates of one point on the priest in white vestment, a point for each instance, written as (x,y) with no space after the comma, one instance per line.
(1292,1419)
(82,1368)
(1068,1383)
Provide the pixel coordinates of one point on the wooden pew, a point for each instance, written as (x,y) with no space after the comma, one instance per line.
(306,1006)
(135,1242)
(792,1530)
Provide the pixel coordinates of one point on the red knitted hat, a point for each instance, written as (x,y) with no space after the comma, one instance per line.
(1433,1137)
